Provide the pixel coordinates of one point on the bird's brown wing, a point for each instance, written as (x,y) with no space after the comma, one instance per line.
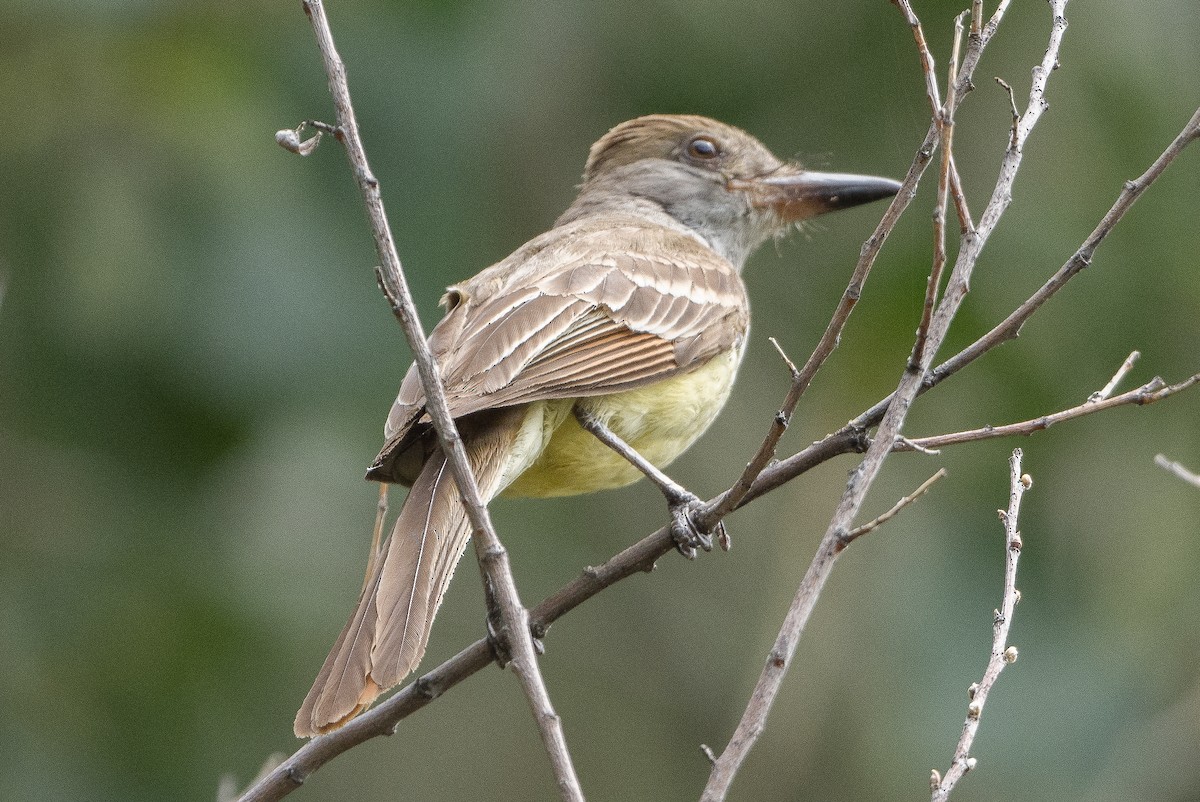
(600,322)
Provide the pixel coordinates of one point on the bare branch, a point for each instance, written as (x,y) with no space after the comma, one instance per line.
(1002,654)
(1117,378)
(875,523)
(1177,469)
(945,119)
(965,223)
(1154,390)
(926,56)
(1012,102)
(753,720)
(493,558)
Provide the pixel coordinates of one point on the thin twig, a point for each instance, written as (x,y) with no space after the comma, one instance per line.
(1154,390)
(1016,115)
(753,721)
(493,558)
(945,119)
(955,89)
(1002,654)
(928,69)
(1177,469)
(965,223)
(904,444)
(875,523)
(787,360)
(1117,378)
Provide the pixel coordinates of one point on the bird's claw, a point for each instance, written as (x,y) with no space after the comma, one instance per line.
(687,535)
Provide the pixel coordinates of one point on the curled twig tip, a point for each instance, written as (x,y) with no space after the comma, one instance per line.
(289,140)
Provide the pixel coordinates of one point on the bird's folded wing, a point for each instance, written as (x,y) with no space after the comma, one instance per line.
(600,323)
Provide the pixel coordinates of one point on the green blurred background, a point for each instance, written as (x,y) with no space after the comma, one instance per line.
(195,366)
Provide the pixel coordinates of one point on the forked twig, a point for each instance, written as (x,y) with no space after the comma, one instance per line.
(879,521)
(944,117)
(1117,378)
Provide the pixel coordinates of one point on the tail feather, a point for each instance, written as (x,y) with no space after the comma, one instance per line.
(435,532)
(385,638)
(338,691)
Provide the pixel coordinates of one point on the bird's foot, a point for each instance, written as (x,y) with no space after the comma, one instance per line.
(682,503)
(687,534)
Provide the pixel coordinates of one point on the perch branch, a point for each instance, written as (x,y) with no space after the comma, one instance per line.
(493,558)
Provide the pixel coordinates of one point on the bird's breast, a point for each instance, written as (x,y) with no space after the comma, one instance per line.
(659,421)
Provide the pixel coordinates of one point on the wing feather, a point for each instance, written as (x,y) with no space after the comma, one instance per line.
(582,319)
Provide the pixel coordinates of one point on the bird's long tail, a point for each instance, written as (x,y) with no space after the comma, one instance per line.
(385,637)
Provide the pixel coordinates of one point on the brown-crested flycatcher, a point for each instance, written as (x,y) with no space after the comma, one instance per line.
(625,321)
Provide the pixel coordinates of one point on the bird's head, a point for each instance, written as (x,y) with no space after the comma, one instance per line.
(716,179)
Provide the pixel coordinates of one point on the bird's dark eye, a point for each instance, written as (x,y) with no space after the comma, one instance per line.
(703,148)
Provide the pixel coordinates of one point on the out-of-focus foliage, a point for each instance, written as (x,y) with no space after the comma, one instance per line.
(195,366)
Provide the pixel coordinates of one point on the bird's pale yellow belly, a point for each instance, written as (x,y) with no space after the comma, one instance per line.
(659,420)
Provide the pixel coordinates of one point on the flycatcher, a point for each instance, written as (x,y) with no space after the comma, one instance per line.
(627,319)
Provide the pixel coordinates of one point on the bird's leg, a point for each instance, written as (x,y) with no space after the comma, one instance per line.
(680,501)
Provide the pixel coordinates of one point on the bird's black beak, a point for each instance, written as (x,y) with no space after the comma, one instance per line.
(800,195)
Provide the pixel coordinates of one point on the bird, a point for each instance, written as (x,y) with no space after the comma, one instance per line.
(595,353)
